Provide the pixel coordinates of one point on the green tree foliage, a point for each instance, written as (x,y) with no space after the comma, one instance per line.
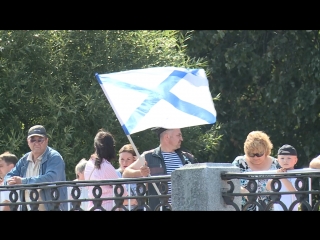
(267,80)
(47,77)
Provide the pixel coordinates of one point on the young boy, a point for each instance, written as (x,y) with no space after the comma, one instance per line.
(7,162)
(287,158)
(79,171)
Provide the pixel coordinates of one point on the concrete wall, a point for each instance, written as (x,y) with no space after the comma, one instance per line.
(198,187)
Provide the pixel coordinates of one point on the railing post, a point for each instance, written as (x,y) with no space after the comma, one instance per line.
(198,187)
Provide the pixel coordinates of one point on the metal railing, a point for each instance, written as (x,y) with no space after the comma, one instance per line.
(306,196)
(19,193)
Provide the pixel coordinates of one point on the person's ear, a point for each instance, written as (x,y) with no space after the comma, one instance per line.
(11,165)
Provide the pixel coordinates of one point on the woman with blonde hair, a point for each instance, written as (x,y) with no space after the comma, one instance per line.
(257,149)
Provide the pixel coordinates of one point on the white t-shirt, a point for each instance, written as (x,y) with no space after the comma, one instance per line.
(4,195)
(287,199)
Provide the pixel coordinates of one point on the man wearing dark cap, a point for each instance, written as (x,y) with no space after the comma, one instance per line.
(287,158)
(162,160)
(41,164)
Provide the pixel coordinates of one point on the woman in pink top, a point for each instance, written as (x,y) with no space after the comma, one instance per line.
(99,167)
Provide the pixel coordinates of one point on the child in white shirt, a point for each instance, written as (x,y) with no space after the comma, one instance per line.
(7,162)
(287,158)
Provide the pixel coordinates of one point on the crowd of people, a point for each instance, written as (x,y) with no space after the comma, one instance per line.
(45,164)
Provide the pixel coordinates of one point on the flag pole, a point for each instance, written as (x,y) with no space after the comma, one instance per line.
(130,140)
(134,146)
(138,155)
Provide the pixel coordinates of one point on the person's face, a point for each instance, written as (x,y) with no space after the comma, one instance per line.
(125,159)
(257,157)
(287,161)
(175,138)
(5,168)
(37,144)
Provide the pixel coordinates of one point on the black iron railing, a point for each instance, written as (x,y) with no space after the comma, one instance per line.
(77,202)
(27,197)
(307,193)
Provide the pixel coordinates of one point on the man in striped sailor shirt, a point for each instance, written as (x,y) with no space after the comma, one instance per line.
(162,160)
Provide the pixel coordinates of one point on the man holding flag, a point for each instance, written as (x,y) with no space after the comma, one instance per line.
(165,99)
(162,160)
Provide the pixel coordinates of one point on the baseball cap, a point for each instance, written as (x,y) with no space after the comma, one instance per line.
(37,130)
(287,150)
(158,130)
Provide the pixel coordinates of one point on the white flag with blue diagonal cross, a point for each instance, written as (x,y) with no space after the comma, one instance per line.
(168,97)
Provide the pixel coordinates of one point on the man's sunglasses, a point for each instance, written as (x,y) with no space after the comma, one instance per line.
(40,140)
(256,154)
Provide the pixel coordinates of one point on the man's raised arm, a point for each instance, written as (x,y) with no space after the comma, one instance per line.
(136,169)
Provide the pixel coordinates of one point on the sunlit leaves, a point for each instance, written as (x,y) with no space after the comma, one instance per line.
(47,77)
(269,80)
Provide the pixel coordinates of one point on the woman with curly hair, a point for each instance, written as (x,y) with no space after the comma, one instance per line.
(257,149)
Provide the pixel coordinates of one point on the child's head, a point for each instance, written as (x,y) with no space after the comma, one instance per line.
(287,156)
(79,169)
(127,155)
(7,162)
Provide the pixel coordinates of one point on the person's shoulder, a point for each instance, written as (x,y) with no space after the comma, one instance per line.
(90,162)
(24,159)
(275,160)
(275,163)
(149,155)
(317,158)
(239,159)
(105,162)
(149,151)
(187,153)
(25,155)
(53,152)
